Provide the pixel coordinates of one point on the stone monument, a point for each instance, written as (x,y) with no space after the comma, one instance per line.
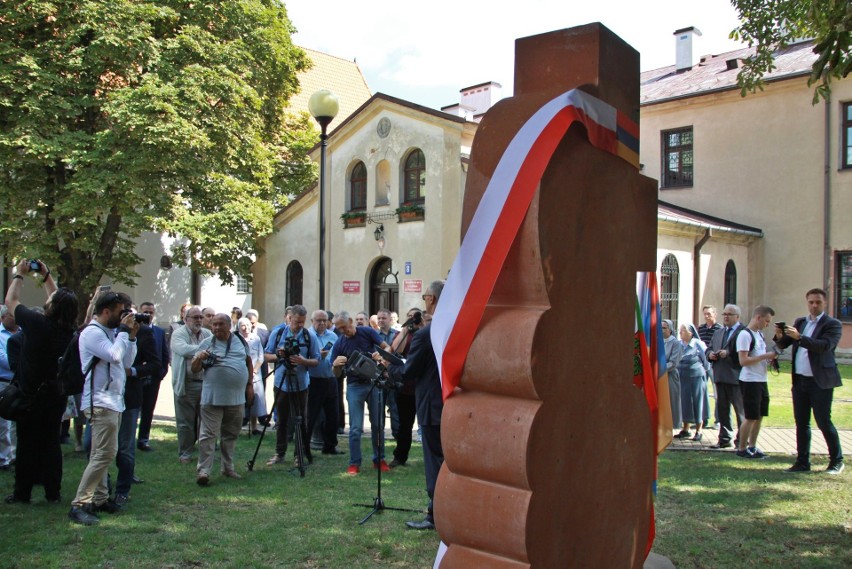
(548,445)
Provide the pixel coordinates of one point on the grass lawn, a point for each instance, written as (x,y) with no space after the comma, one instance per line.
(713,510)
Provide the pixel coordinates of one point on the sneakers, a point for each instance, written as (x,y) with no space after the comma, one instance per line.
(756,452)
(276,459)
(683,435)
(80,515)
(353,470)
(383,465)
(835,467)
(743,453)
(799,467)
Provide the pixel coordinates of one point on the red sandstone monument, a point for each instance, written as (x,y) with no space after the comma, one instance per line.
(546,461)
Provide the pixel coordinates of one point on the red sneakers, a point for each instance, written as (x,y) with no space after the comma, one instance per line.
(383,465)
(353,470)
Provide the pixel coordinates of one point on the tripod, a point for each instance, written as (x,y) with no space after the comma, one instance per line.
(296,411)
(378,504)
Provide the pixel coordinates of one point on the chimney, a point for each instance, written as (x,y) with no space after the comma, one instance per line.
(683,48)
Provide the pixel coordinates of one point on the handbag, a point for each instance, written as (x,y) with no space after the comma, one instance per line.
(14,403)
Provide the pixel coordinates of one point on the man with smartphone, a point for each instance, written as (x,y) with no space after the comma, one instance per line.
(814,338)
(322,392)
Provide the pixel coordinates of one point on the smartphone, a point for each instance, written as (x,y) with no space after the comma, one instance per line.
(328,346)
(781,324)
(105,288)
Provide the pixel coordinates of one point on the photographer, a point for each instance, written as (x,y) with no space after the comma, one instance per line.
(359,391)
(39,455)
(226,386)
(295,349)
(405,396)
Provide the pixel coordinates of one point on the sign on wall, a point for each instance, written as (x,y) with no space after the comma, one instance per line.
(408,267)
(351,287)
(412,285)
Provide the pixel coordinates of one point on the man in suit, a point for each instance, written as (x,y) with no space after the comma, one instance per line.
(421,366)
(151,387)
(814,338)
(722,353)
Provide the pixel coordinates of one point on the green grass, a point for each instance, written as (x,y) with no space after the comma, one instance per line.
(781,401)
(713,510)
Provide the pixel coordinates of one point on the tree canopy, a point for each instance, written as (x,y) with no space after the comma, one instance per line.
(128,116)
(771,25)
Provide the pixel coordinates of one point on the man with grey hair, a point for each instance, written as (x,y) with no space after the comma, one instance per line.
(722,352)
(187,383)
(422,367)
(359,391)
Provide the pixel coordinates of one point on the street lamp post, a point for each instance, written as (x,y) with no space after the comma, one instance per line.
(323,105)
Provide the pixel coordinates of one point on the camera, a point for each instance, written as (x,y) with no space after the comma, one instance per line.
(414,321)
(288,350)
(143,318)
(34,265)
(210,361)
(781,324)
(365,368)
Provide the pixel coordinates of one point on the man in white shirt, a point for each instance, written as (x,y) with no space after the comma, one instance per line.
(103,398)
(754,358)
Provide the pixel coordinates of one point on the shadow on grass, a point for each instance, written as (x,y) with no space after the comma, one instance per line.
(717,510)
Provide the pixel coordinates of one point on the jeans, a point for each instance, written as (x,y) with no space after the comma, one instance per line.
(93,488)
(356,395)
(125,460)
(7,436)
(807,396)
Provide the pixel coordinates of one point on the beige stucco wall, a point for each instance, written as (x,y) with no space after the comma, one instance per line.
(760,161)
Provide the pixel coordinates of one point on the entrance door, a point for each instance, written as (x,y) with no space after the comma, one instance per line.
(384,287)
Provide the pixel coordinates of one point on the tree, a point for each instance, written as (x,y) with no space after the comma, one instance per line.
(773,24)
(128,116)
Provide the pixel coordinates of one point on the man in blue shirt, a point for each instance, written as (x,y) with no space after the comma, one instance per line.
(359,391)
(322,392)
(292,391)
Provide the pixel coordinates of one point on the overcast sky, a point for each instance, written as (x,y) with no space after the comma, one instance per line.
(425,52)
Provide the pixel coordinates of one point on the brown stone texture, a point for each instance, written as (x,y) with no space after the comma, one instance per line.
(544,464)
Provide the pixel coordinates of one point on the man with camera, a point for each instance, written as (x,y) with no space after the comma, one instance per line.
(294,348)
(361,339)
(814,338)
(186,383)
(227,380)
(145,366)
(421,366)
(103,397)
(722,353)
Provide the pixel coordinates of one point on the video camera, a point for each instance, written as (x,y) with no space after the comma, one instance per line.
(363,367)
(288,350)
(413,322)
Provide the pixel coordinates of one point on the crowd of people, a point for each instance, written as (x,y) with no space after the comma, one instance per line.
(219,366)
(735,359)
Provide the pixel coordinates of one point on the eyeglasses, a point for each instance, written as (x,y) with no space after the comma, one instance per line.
(728,314)
(195,317)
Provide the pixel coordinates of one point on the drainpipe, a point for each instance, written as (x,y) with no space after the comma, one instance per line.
(696,273)
(826,211)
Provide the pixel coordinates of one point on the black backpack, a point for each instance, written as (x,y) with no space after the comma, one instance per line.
(734,355)
(70,376)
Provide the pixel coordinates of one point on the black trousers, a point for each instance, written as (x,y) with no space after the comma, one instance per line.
(322,399)
(299,400)
(807,397)
(433,458)
(150,391)
(407,412)
(39,455)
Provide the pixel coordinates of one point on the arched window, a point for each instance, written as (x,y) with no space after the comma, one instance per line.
(669,287)
(730,282)
(358,187)
(294,283)
(415,177)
